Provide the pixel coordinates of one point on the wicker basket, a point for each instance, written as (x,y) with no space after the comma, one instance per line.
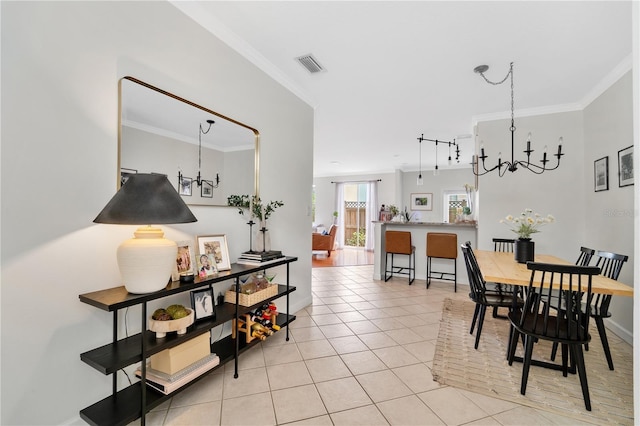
(253,298)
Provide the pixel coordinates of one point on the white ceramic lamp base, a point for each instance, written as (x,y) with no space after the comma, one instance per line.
(146,261)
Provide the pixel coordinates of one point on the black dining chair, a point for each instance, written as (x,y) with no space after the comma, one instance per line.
(504,245)
(610,265)
(479,293)
(569,327)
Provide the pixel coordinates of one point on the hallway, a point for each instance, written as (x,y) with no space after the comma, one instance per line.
(347,256)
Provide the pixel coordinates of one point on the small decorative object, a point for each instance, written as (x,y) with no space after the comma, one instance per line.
(206,265)
(254,288)
(524,225)
(394,211)
(216,246)
(422,201)
(202,303)
(125,174)
(625,167)
(601,174)
(470,190)
(173,318)
(187,277)
(335,217)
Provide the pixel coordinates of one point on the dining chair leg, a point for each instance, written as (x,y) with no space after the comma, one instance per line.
(578,356)
(528,351)
(513,343)
(554,350)
(605,341)
(565,354)
(483,310)
(475,317)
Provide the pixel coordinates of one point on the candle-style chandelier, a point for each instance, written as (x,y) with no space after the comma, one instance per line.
(436,141)
(512,165)
(199,181)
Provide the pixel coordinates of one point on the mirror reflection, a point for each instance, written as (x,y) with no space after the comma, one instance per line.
(205,155)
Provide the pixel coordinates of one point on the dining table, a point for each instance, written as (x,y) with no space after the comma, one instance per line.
(501,267)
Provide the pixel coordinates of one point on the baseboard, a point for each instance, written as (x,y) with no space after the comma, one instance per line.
(619,331)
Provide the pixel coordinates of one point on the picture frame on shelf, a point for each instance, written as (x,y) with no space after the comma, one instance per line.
(207,265)
(184,186)
(422,201)
(202,303)
(601,174)
(125,174)
(206,190)
(625,166)
(215,245)
(184,259)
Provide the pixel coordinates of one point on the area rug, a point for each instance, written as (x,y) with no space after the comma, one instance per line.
(485,370)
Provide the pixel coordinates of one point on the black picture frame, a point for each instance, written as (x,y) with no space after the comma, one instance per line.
(125,174)
(601,174)
(184,186)
(625,166)
(203,304)
(206,190)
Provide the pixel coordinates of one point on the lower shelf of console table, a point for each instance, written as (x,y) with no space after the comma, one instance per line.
(125,406)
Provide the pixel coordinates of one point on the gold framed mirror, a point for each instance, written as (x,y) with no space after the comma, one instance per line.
(205,155)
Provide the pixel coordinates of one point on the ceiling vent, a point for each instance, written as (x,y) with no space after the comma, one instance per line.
(310,63)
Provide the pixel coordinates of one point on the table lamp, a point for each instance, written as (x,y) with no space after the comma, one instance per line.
(146,261)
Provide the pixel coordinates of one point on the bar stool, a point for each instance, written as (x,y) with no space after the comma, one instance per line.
(399,242)
(442,245)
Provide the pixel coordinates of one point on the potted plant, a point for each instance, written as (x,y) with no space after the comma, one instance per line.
(524,225)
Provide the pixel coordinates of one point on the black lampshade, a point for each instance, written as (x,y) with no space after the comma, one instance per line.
(146,199)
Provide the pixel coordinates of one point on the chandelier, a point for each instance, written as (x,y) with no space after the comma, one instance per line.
(449,161)
(199,181)
(512,165)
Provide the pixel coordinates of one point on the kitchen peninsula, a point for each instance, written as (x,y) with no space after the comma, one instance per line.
(466,231)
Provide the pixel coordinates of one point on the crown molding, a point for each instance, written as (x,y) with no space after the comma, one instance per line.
(609,80)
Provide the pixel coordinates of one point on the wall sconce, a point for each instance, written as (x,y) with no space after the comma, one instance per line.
(199,179)
(146,261)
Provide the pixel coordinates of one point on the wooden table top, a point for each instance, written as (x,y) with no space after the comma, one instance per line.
(502,268)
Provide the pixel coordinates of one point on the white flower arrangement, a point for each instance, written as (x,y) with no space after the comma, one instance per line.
(527,223)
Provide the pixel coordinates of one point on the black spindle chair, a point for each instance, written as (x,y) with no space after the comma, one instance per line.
(479,293)
(503,244)
(568,327)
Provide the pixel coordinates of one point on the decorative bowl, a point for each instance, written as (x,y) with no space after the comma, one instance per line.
(161,328)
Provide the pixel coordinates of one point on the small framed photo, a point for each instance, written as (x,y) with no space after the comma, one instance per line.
(215,245)
(601,174)
(206,265)
(202,303)
(125,174)
(422,201)
(184,260)
(184,186)
(206,190)
(625,167)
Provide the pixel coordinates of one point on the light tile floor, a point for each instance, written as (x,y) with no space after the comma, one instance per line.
(361,354)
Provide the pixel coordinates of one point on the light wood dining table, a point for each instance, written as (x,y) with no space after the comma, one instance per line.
(501,267)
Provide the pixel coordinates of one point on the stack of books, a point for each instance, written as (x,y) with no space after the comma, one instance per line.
(259,257)
(167,383)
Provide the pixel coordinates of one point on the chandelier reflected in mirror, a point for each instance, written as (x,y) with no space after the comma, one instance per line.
(512,166)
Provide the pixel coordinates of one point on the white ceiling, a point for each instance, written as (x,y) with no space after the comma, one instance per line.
(396,70)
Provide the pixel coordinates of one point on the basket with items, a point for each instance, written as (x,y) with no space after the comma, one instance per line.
(254,289)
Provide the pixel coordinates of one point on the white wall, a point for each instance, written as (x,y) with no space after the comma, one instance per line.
(608,128)
(61,62)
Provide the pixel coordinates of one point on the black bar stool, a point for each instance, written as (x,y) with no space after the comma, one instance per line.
(399,242)
(442,245)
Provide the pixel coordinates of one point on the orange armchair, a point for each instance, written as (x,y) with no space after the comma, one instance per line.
(324,242)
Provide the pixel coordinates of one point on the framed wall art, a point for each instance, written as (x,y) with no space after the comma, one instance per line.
(184,186)
(206,190)
(625,166)
(202,303)
(601,174)
(422,201)
(216,246)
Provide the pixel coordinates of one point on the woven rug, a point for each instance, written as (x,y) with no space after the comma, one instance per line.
(485,370)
